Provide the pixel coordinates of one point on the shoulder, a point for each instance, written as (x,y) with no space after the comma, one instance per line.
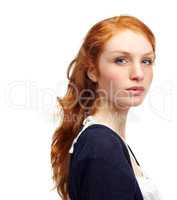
(98,141)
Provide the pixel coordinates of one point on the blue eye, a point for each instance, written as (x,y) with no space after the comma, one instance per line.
(149,61)
(120,61)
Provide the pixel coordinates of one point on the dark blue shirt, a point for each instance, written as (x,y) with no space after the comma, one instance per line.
(100,167)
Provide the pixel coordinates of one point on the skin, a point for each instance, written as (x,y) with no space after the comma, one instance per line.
(133,69)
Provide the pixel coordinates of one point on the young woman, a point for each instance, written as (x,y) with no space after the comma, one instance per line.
(112,72)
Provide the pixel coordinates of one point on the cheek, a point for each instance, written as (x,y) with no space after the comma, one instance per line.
(114,76)
(111,75)
(149,76)
(113,80)
(112,84)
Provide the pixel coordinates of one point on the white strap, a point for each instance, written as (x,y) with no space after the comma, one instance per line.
(87,122)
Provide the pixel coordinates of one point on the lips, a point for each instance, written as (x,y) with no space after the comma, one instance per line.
(136,90)
(139,88)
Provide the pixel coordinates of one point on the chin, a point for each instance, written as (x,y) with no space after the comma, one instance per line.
(136,100)
(132,101)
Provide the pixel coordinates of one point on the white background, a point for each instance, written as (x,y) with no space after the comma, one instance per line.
(38,39)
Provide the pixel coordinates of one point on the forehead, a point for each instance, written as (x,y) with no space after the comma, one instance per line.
(128,41)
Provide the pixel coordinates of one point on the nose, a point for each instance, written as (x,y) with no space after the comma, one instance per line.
(136,72)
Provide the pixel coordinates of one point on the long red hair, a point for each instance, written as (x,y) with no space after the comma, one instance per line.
(76,104)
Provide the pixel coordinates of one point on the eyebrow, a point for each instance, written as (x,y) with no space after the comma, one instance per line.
(128,53)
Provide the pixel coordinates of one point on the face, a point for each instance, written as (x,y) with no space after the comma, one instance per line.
(127,61)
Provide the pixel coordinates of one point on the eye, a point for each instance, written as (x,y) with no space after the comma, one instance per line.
(120,60)
(148,61)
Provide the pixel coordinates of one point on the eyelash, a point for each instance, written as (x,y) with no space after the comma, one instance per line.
(119,58)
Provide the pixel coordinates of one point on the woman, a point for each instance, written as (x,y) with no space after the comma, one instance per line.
(112,72)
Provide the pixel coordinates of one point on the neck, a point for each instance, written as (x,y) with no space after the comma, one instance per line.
(115,118)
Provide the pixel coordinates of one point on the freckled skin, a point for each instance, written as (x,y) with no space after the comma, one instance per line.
(114,79)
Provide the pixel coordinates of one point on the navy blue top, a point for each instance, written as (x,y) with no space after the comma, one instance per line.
(100,167)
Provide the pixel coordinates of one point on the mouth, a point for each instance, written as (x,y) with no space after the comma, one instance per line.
(136,90)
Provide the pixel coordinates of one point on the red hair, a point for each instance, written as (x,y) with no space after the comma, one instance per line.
(76,104)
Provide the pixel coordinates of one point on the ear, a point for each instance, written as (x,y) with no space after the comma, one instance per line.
(91,73)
